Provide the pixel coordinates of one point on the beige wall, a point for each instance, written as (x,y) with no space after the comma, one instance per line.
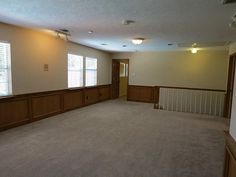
(31,49)
(206,69)
(233,115)
(232,48)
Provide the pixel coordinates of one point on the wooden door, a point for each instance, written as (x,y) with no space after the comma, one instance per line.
(115,78)
(230,87)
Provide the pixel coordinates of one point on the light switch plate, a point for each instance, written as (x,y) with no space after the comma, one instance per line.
(45,67)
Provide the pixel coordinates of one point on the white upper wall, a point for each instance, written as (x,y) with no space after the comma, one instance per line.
(31,49)
(206,69)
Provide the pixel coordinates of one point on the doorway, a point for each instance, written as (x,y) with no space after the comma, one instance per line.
(120,77)
(230,87)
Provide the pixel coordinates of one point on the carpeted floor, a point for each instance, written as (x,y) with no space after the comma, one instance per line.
(115,139)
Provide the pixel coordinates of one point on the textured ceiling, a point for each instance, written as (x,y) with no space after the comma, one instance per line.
(158,21)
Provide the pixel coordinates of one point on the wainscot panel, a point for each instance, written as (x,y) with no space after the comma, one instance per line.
(140,93)
(91,95)
(46,105)
(13,112)
(104,93)
(21,109)
(73,99)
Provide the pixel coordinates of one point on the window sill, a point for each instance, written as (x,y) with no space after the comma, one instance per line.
(6,96)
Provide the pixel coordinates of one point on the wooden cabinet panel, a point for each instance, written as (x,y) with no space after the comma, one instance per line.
(73,100)
(104,93)
(13,112)
(91,95)
(140,93)
(46,105)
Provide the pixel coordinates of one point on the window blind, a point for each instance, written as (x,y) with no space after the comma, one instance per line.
(75,71)
(91,71)
(5,69)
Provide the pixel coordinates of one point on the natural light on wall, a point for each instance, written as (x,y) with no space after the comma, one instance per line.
(5,69)
(91,71)
(75,71)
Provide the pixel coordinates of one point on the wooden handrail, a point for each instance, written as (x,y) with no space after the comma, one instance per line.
(189,88)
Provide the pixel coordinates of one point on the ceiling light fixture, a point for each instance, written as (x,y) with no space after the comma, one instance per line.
(63,34)
(138,41)
(90,31)
(194,50)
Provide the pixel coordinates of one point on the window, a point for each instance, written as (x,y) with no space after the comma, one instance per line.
(91,71)
(5,69)
(124,70)
(75,71)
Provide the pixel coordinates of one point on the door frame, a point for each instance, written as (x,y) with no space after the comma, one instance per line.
(230,86)
(120,60)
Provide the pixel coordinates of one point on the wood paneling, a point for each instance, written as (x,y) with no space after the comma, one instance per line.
(192,88)
(13,112)
(46,105)
(73,99)
(22,109)
(140,93)
(230,156)
(151,94)
(91,95)
(104,93)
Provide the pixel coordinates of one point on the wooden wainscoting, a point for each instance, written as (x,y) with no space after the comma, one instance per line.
(230,156)
(73,99)
(140,93)
(45,105)
(91,95)
(22,109)
(104,93)
(14,112)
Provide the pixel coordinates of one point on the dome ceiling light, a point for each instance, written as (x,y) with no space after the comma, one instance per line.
(194,49)
(138,41)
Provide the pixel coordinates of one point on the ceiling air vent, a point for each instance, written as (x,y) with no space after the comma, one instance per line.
(227,1)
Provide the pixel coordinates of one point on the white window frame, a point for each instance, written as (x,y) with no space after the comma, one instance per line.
(68,70)
(8,69)
(85,68)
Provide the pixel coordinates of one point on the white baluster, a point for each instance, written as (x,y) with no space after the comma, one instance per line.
(210,103)
(181,100)
(200,109)
(167,100)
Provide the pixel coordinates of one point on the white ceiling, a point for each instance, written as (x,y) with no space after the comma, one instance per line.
(158,21)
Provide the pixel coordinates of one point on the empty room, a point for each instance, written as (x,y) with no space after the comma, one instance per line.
(117,88)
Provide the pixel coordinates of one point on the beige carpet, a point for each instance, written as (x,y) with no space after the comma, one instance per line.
(115,139)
